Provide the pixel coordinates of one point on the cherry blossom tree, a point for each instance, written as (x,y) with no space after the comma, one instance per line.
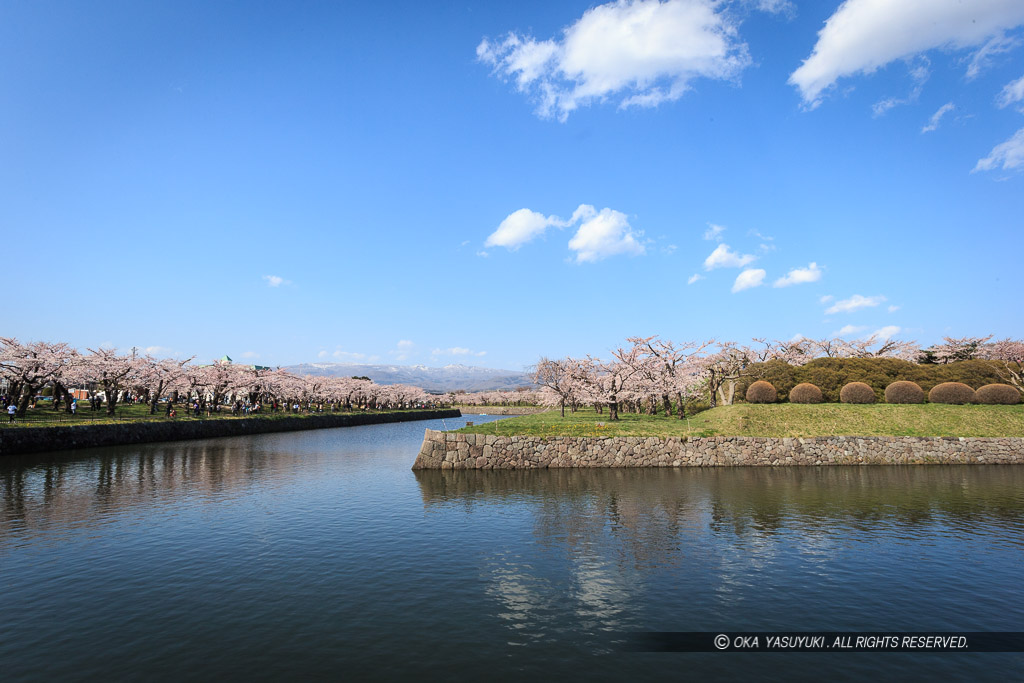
(724,369)
(1008,357)
(557,377)
(158,376)
(28,367)
(957,348)
(113,372)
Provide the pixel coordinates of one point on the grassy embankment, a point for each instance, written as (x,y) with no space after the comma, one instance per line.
(45,416)
(779,420)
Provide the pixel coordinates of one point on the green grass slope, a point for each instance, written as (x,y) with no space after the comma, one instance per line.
(778,420)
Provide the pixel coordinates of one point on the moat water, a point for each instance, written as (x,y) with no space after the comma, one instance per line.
(322,555)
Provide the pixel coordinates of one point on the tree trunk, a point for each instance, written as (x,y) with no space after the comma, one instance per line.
(154,397)
(667,402)
(27,392)
(613,409)
(111,398)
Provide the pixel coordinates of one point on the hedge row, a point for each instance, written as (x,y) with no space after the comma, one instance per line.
(832,374)
(901,391)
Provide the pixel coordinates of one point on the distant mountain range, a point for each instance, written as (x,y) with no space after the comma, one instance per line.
(448,378)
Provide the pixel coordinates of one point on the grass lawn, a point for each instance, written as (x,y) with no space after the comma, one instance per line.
(45,416)
(783,419)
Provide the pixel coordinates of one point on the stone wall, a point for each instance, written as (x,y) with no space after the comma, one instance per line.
(448,450)
(39,439)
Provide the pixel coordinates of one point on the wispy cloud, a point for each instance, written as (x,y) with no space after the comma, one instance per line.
(1009,155)
(348,356)
(919,74)
(886,332)
(276,280)
(694,278)
(403,349)
(1011,93)
(854,303)
(714,232)
(933,122)
(457,351)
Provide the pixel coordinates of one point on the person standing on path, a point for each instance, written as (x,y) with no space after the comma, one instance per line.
(11,410)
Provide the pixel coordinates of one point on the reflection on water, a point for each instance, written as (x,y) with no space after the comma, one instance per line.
(64,493)
(320,554)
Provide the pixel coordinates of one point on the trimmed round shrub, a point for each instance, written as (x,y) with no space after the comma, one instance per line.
(857,392)
(761,392)
(805,393)
(904,392)
(955,393)
(998,394)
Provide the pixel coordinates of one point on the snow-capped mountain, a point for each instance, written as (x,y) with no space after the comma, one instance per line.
(447,378)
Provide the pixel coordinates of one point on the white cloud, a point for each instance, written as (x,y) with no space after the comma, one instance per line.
(886,332)
(714,232)
(847,330)
(457,351)
(864,35)
(1009,154)
(158,351)
(519,227)
(639,52)
(276,281)
(482,254)
(348,356)
(250,354)
(669,249)
(694,278)
(723,257)
(854,303)
(753,277)
(799,276)
(933,122)
(602,234)
(825,299)
(405,344)
(775,6)
(1012,92)
(893,309)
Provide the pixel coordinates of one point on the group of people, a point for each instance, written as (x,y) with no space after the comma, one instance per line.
(12,408)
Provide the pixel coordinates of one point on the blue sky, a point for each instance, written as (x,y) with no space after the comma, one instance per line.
(295,182)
